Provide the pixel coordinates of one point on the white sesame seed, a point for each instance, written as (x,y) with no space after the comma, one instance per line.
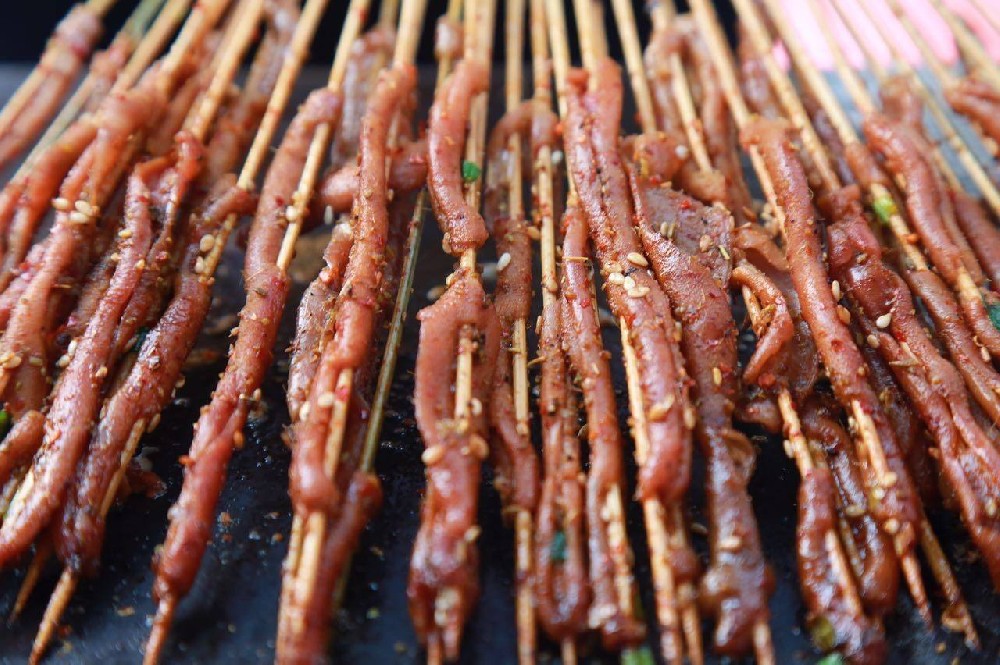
(884,320)
(503,261)
(325,400)
(638,259)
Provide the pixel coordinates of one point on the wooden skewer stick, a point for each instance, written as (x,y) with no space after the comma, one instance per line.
(478,19)
(544,209)
(661,524)
(973,51)
(960,615)
(30,85)
(130,36)
(868,441)
(945,124)
(295,55)
(199,121)
(309,534)
(523,519)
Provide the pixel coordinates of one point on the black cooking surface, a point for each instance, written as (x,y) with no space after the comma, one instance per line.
(230,616)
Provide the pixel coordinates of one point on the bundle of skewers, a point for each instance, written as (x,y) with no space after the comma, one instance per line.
(867,272)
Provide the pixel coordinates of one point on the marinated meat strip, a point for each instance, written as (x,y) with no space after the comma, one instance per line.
(355,308)
(718,128)
(26,199)
(609,554)
(932,382)
(148,386)
(513,456)
(738,581)
(755,84)
(897,511)
(77,397)
(368,56)
(408,172)
(444,580)
(64,57)
(592,146)
(314,322)
(462,225)
(791,358)
(977,224)
(831,606)
(869,548)
(979,102)
(664,44)
(562,588)
(220,426)
(235,126)
(925,198)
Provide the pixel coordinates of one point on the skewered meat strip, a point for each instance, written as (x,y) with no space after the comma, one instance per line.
(220,426)
(718,128)
(610,568)
(875,566)
(664,44)
(737,584)
(444,584)
(562,590)
(755,84)
(857,636)
(893,504)
(942,240)
(462,225)
(408,172)
(591,132)
(368,55)
(513,457)
(235,126)
(354,314)
(76,398)
(148,387)
(979,102)
(975,223)
(27,198)
(791,359)
(905,423)
(933,383)
(64,57)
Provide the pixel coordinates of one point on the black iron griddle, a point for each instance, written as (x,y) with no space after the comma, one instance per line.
(230,616)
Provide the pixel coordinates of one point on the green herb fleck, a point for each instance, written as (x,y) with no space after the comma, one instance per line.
(885,208)
(4,422)
(831,659)
(823,634)
(470,171)
(140,339)
(640,656)
(994,311)
(557,550)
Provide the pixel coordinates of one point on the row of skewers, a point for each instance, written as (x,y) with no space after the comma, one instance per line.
(867,276)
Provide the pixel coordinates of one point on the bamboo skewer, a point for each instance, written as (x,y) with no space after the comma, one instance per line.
(309,535)
(544,208)
(477,45)
(975,55)
(198,123)
(523,519)
(294,57)
(664,524)
(827,99)
(944,123)
(868,441)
